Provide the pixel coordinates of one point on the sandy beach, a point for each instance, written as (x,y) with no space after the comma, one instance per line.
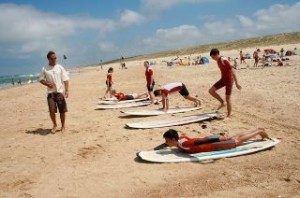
(96,156)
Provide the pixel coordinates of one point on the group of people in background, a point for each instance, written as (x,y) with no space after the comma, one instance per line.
(228,78)
(269,56)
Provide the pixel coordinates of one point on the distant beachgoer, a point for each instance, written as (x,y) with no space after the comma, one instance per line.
(242,58)
(167,89)
(235,64)
(281,53)
(210,143)
(256,58)
(121,96)
(56,79)
(101,66)
(109,82)
(123,65)
(13,82)
(150,80)
(19,82)
(227,77)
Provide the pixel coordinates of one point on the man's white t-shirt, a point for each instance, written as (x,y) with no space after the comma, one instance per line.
(54,74)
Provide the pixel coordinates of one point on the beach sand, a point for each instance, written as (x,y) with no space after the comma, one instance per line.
(96,156)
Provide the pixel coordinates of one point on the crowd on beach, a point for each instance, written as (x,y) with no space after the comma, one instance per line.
(261,58)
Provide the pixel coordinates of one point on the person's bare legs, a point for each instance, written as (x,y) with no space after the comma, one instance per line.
(53,119)
(242,137)
(214,94)
(152,97)
(228,102)
(195,100)
(62,120)
(144,95)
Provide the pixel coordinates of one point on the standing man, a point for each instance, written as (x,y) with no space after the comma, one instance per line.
(228,77)
(56,79)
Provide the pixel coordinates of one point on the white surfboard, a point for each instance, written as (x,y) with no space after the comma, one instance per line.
(114,102)
(174,155)
(160,111)
(109,99)
(124,105)
(174,121)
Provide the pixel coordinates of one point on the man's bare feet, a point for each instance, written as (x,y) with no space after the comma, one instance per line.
(264,135)
(221,106)
(156,102)
(54,128)
(63,129)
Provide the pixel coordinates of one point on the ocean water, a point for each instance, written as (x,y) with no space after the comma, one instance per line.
(17,80)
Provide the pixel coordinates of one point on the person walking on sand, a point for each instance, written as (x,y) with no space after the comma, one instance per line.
(149,80)
(227,77)
(56,79)
(109,82)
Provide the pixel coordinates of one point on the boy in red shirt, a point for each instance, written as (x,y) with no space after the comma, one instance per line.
(167,89)
(109,82)
(227,78)
(150,80)
(209,143)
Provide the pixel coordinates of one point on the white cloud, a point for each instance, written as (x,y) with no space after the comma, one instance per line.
(24,23)
(278,18)
(129,17)
(275,19)
(245,21)
(27,33)
(174,37)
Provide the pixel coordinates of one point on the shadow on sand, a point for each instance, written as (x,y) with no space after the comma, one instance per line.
(39,131)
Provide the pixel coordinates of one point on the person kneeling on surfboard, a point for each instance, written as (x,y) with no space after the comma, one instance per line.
(210,143)
(121,96)
(167,89)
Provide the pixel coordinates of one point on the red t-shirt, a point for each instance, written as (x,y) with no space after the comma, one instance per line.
(120,96)
(149,74)
(171,88)
(225,68)
(188,145)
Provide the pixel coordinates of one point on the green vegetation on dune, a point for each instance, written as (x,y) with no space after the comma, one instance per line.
(278,39)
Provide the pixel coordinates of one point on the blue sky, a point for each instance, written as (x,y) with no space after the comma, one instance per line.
(87,31)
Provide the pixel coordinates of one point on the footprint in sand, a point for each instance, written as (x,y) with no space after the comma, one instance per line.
(90,151)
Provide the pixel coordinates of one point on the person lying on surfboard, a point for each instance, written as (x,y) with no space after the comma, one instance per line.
(121,96)
(210,143)
(167,89)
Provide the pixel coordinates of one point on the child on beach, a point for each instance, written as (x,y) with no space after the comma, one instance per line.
(150,80)
(242,57)
(256,58)
(227,78)
(210,143)
(167,89)
(121,96)
(109,82)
